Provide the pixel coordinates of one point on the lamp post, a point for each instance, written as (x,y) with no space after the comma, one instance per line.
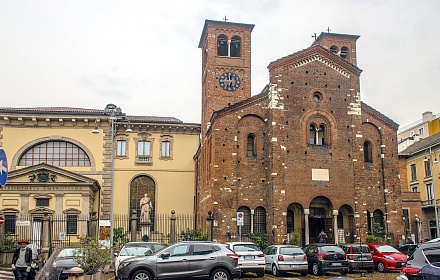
(115,113)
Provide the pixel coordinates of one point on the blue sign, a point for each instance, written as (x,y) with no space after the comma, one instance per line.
(3,168)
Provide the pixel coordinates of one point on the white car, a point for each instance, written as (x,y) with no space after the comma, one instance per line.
(285,258)
(251,258)
(136,249)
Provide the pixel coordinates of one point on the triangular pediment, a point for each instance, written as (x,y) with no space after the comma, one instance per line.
(48,175)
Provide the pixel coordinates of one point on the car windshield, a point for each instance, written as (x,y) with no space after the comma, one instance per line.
(246,248)
(360,249)
(291,251)
(134,251)
(332,249)
(386,249)
(67,253)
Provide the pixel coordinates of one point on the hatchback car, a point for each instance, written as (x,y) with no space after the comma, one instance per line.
(62,263)
(408,249)
(136,249)
(323,257)
(285,258)
(359,256)
(386,257)
(424,263)
(188,259)
(251,258)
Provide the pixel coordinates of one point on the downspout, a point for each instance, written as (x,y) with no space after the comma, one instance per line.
(385,190)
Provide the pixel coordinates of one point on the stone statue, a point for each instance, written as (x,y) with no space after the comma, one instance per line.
(145,208)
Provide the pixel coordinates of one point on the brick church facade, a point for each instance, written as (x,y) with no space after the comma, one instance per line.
(303,155)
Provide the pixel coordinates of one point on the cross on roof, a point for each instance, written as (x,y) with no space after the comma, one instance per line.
(328,30)
(314,36)
(225,18)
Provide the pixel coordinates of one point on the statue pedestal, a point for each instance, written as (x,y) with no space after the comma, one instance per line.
(145,228)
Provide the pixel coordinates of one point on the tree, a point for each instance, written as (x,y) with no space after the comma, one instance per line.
(91,255)
(260,240)
(295,238)
(377,233)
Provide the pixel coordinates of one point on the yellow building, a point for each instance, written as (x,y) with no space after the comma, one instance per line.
(58,167)
(423,177)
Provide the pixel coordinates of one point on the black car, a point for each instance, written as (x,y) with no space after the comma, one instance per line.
(424,263)
(408,249)
(188,259)
(323,257)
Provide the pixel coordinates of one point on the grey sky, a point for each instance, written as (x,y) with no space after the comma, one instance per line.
(142,55)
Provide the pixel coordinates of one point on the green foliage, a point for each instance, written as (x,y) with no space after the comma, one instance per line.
(196,235)
(295,238)
(91,255)
(119,237)
(378,233)
(260,240)
(9,243)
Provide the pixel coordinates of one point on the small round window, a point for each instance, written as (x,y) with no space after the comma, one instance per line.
(317,96)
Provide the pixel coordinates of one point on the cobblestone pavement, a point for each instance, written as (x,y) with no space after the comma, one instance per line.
(329,276)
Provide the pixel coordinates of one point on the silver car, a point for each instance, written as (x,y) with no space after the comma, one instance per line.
(251,258)
(188,259)
(285,258)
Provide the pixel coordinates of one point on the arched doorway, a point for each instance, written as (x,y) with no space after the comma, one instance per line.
(346,225)
(320,218)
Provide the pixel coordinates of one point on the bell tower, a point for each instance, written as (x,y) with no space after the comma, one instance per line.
(226,66)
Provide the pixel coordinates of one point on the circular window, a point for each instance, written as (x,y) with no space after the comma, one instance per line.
(317,96)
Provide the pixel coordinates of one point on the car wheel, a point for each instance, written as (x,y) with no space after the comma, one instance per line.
(315,269)
(304,273)
(275,271)
(380,267)
(142,275)
(220,274)
(260,274)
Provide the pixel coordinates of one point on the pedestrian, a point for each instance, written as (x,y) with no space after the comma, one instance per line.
(21,260)
(322,237)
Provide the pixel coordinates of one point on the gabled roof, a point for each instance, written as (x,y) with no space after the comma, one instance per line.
(422,145)
(368,109)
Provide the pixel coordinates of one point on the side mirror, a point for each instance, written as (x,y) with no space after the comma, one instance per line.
(165,255)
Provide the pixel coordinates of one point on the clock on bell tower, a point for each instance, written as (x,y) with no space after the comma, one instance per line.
(226,66)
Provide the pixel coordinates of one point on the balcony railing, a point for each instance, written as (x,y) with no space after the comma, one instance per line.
(430,203)
(144,159)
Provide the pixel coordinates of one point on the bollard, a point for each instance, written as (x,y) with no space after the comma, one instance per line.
(76,273)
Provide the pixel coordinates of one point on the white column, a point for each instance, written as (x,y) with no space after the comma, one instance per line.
(306,219)
(252,220)
(335,225)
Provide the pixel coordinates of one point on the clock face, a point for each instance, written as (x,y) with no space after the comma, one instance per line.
(229,81)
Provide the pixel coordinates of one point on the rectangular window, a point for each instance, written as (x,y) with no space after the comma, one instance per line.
(413,172)
(10,223)
(42,202)
(415,188)
(166,149)
(427,168)
(429,194)
(144,148)
(121,149)
(421,131)
(71,224)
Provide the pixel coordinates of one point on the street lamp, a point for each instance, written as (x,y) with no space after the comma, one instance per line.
(115,114)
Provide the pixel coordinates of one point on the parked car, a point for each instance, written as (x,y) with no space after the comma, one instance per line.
(187,259)
(251,258)
(386,257)
(62,263)
(424,263)
(285,258)
(323,257)
(408,249)
(136,249)
(359,256)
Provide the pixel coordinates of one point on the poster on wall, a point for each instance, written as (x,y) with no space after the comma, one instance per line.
(104,232)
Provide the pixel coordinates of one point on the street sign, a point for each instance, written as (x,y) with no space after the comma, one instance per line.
(240,218)
(2,220)
(3,168)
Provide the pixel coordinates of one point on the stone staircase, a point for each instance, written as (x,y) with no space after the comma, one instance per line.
(6,274)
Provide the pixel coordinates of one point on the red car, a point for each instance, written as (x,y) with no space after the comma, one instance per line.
(386,257)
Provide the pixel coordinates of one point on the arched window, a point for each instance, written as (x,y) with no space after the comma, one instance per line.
(56,153)
(140,186)
(334,49)
(344,52)
(235,47)
(250,147)
(368,153)
(222,45)
(290,221)
(246,227)
(260,220)
(317,134)
(378,217)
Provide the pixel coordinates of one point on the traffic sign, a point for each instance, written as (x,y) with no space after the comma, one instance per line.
(240,218)
(2,220)
(3,168)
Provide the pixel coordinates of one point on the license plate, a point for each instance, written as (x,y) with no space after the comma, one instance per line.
(336,264)
(295,266)
(249,257)
(362,259)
